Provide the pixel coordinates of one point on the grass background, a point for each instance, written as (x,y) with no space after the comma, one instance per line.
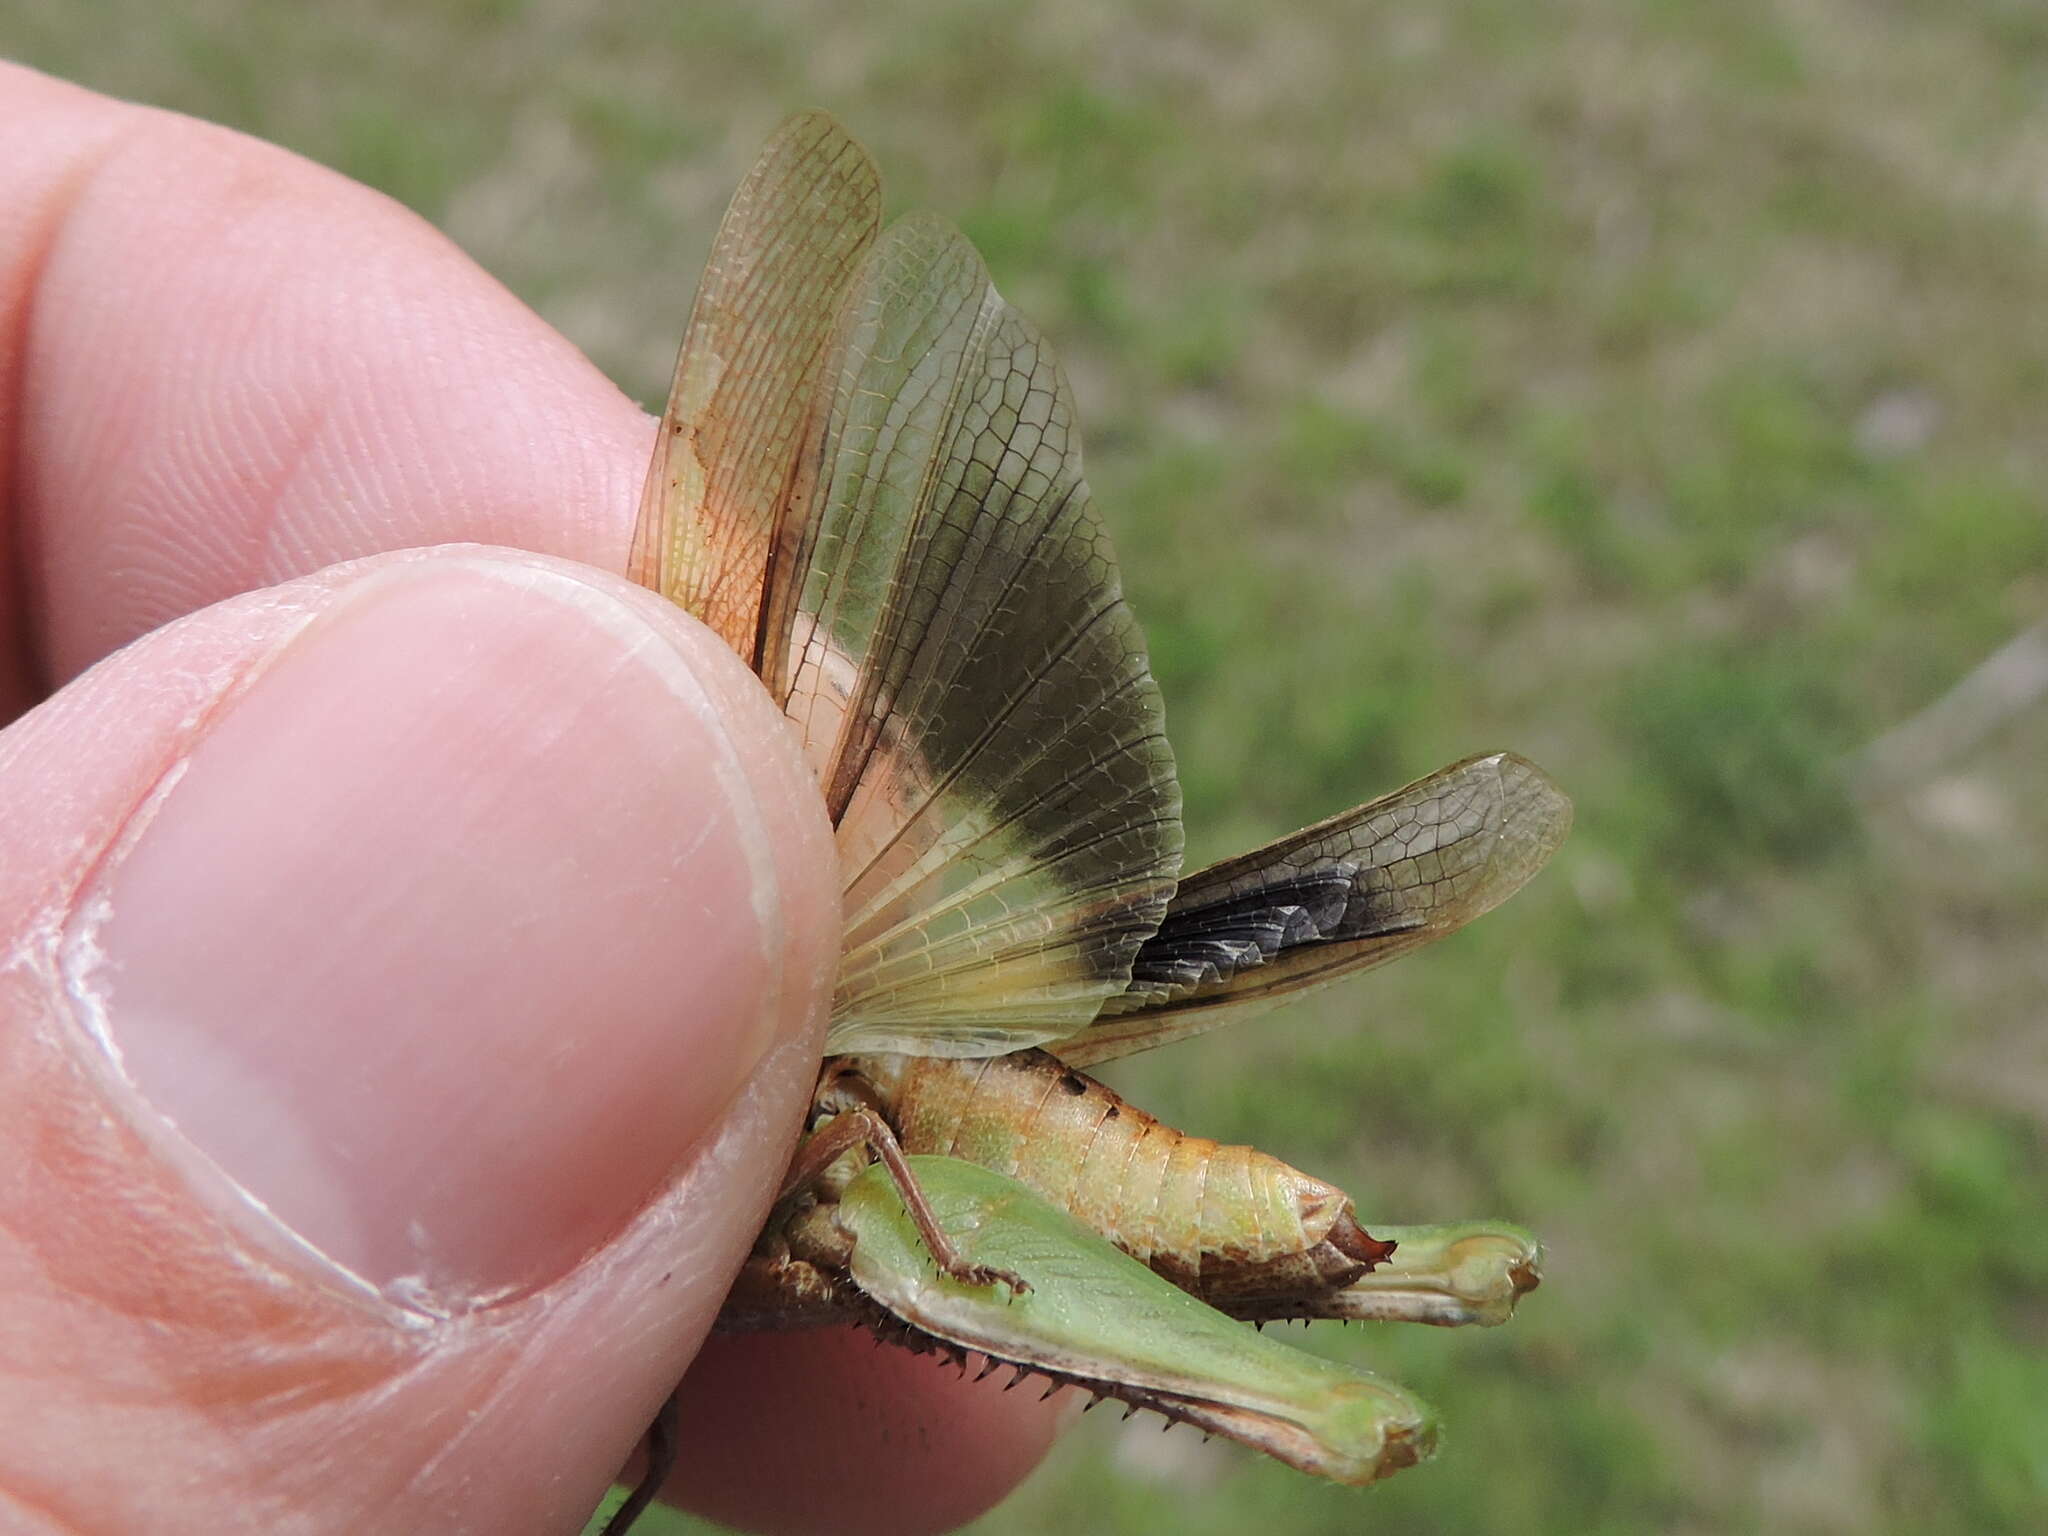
(1655,388)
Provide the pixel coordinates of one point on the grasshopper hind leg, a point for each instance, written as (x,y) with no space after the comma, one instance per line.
(661,1440)
(861,1126)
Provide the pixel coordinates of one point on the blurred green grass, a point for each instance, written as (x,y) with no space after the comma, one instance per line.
(1654,388)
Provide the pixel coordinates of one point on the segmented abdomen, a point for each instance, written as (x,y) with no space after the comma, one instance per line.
(1224,1222)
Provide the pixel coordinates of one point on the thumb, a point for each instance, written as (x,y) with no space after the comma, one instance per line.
(410,978)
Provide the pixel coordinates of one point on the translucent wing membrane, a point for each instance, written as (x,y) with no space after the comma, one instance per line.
(972,688)
(869,482)
(758,342)
(936,607)
(1348,893)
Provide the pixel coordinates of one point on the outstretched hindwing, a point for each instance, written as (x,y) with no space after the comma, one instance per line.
(1336,898)
(936,606)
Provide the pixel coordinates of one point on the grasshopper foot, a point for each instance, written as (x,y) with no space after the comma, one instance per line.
(987,1275)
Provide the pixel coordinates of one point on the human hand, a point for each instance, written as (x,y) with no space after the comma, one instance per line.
(411,970)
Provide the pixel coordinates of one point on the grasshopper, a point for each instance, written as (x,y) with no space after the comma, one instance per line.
(868,482)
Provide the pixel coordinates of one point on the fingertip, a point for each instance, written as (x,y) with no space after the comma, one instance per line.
(466,919)
(433,731)
(790,1433)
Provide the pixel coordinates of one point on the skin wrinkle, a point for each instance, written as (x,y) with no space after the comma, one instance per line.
(295,423)
(76,191)
(28,677)
(308,422)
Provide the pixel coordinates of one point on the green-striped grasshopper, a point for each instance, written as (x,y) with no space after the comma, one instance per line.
(868,481)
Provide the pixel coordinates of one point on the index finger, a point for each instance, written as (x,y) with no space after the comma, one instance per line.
(226,366)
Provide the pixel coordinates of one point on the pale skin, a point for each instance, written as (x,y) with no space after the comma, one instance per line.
(462,920)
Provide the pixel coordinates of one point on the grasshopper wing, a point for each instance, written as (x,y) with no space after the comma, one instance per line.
(1335,898)
(751,360)
(973,691)
(936,607)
